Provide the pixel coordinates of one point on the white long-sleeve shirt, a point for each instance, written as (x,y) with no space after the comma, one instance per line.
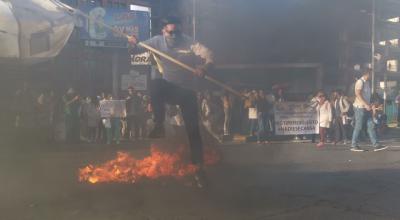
(188,51)
(325,114)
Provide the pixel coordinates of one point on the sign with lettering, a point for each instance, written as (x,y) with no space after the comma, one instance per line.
(137,81)
(112,108)
(295,118)
(141,59)
(122,19)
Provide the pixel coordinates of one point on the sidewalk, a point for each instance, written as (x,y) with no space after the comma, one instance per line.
(392,135)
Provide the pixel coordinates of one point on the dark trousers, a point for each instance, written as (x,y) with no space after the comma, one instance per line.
(322,134)
(340,129)
(72,129)
(163,92)
(134,125)
(92,133)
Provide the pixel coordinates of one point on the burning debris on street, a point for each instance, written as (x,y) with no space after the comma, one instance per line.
(125,168)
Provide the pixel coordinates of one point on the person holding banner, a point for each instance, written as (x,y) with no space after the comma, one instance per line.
(177,86)
(111,113)
(325,117)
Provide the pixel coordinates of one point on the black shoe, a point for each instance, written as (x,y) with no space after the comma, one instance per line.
(157,132)
(380,147)
(200,179)
(356,149)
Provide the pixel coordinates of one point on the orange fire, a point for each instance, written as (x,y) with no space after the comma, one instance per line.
(125,168)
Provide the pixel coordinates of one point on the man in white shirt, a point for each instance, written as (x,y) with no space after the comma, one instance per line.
(363,113)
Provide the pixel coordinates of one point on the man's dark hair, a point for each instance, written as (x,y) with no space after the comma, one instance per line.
(339,91)
(366,71)
(170,20)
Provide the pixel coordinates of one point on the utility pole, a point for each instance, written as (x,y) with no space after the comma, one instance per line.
(373,45)
(194,19)
(115,74)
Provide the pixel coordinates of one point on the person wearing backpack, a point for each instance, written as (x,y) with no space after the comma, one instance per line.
(363,113)
(341,108)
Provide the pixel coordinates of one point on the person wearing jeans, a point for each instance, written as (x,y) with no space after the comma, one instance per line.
(363,113)
(397,100)
(262,115)
(227,104)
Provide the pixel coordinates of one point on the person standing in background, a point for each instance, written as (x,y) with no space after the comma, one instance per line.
(43,116)
(340,108)
(398,109)
(112,123)
(134,114)
(92,112)
(253,112)
(325,117)
(227,105)
(71,112)
(262,115)
(24,106)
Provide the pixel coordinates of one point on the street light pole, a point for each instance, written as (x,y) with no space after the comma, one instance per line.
(194,21)
(373,46)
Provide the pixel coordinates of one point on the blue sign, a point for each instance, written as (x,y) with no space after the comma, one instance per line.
(122,19)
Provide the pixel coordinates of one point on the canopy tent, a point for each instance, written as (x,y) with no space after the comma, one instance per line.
(32,31)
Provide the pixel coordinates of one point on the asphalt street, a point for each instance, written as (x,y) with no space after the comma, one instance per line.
(251,182)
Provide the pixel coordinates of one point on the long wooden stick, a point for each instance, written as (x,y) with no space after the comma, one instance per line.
(189,68)
(162,54)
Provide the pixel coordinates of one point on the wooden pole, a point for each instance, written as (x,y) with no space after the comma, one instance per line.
(189,68)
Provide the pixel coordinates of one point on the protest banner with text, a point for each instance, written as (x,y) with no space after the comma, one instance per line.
(295,118)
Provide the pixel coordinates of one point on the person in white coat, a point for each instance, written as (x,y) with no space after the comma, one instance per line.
(324,110)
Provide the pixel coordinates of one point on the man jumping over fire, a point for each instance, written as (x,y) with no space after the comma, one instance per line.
(178,86)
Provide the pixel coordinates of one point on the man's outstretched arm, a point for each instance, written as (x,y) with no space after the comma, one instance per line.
(207,56)
(136,49)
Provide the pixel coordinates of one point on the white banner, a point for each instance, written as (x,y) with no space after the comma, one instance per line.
(135,80)
(112,108)
(295,118)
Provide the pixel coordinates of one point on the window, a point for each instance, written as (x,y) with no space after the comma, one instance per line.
(394,42)
(394,20)
(391,65)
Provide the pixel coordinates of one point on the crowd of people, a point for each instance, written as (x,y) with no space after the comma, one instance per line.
(254,116)
(226,114)
(46,117)
(343,118)
(75,119)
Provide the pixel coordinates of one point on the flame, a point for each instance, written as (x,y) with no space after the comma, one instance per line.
(126,169)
